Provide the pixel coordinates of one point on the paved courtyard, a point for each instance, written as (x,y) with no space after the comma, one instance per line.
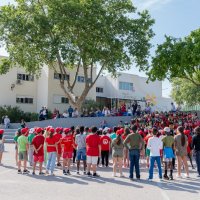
(74,187)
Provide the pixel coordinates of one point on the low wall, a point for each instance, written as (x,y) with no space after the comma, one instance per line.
(68,122)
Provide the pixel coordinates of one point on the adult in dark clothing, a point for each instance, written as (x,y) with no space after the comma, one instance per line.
(196,147)
(134,106)
(134,143)
(70,111)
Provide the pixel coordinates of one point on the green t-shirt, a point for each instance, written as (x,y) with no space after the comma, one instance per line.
(22,142)
(30,138)
(16,138)
(168,141)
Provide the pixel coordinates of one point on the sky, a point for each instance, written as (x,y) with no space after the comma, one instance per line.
(175,18)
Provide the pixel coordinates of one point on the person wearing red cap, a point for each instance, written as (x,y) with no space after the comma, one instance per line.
(2,140)
(51,151)
(117,153)
(22,142)
(38,154)
(189,149)
(93,148)
(67,149)
(105,148)
(57,136)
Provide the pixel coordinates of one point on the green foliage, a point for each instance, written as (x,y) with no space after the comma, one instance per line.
(185,92)
(178,58)
(75,34)
(16,114)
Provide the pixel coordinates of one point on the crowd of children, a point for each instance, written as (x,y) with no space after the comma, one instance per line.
(164,138)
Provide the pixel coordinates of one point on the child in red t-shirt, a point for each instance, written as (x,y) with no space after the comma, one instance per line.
(67,144)
(57,136)
(51,151)
(105,148)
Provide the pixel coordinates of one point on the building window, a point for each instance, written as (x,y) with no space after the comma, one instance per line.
(126,86)
(58,76)
(64,100)
(81,79)
(25,77)
(99,90)
(57,99)
(24,100)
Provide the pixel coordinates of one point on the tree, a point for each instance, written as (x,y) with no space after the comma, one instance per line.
(64,34)
(185,92)
(178,58)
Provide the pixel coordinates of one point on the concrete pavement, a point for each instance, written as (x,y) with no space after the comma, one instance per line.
(80,187)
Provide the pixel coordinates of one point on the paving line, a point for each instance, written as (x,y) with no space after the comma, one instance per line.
(163,193)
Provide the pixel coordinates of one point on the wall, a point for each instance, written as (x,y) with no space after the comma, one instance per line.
(68,122)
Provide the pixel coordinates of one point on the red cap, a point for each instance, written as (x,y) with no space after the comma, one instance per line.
(119,132)
(51,130)
(57,129)
(61,129)
(187,132)
(67,130)
(38,130)
(1,131)
(24,130)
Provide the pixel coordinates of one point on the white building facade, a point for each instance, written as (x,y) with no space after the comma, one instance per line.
(18,88)
(128,87)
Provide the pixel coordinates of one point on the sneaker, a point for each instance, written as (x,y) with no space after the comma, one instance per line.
(78,173)
(26,171)
(150,179)
(41,173)
(33,173)
(89,174)
(186,176)
(85,173)
(19,171)
(166,177)
(52,174)
(114,175)
(96,175)
(171,178)
(68,172)
(59,165)
(64,172)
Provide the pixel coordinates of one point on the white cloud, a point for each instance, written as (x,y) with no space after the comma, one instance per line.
(150,4)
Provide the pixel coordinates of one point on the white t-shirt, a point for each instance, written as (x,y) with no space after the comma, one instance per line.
(155,144)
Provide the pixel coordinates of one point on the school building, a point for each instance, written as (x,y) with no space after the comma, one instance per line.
(18,88)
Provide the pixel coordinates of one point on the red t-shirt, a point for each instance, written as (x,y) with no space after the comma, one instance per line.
(146,139)
(105,143)
(67,143)
(37,141)
(57,138)
(51,141)
(93,142)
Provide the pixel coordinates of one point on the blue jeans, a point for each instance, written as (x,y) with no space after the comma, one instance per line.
(197,158)
(81,154)
(51,161)
(134,157)
(152,161)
